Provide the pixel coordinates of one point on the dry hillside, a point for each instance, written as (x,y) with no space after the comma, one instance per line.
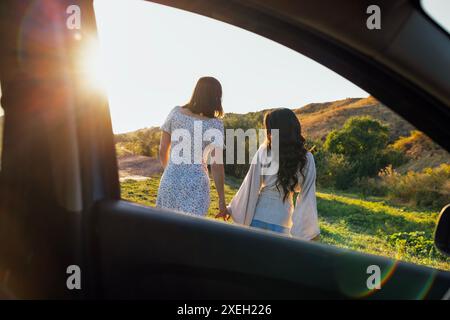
(422,151)
(318,119)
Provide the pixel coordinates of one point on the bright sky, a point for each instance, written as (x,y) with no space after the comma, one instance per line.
(153,56)
(439,10)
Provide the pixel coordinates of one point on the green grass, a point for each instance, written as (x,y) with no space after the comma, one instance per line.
(368,225)
(374,226)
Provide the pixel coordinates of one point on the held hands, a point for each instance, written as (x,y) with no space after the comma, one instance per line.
(223,212)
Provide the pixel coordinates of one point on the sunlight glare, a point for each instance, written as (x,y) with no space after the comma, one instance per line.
(92,66)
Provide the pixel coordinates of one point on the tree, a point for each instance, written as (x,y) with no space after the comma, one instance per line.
(363,144)
(358,136)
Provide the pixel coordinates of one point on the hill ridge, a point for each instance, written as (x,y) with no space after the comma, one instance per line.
(319,119)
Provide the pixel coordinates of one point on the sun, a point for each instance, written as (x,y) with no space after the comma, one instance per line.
(92,66)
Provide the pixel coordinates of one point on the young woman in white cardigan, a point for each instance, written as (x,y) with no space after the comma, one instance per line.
(266,200)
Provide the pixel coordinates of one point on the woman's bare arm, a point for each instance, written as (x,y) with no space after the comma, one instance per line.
(218,173)
(164,148)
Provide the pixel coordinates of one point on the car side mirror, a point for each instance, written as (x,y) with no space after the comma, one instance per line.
(442,232)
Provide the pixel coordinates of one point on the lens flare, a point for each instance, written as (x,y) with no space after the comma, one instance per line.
(92,67)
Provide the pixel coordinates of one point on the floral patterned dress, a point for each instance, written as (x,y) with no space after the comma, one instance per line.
(185,185)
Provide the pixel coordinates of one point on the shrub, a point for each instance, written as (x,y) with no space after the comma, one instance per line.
(358,137)
(360,149)
(333,171)
(429,188)
(143,142)
(415,144)
(370,186)
(415,244)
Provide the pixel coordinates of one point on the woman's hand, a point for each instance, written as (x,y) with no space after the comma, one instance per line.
(223,212)
(218,174)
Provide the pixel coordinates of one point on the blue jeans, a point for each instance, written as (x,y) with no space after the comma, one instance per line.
(269,226)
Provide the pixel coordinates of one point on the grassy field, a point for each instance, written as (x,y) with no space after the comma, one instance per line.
(368,225)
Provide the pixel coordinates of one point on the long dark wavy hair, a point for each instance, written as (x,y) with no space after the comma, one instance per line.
(292,151)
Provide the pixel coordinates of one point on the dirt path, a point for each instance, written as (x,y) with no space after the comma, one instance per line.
(138,167)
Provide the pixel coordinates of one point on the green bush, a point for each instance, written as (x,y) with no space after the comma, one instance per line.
(360,149)
(252,120)
(333,170)
(143,142)
(358,136)
(416,244)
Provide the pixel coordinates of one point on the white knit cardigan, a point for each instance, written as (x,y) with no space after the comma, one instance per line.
(305,223)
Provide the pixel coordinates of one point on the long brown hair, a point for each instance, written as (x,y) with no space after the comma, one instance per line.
(292,151)
(206,99)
